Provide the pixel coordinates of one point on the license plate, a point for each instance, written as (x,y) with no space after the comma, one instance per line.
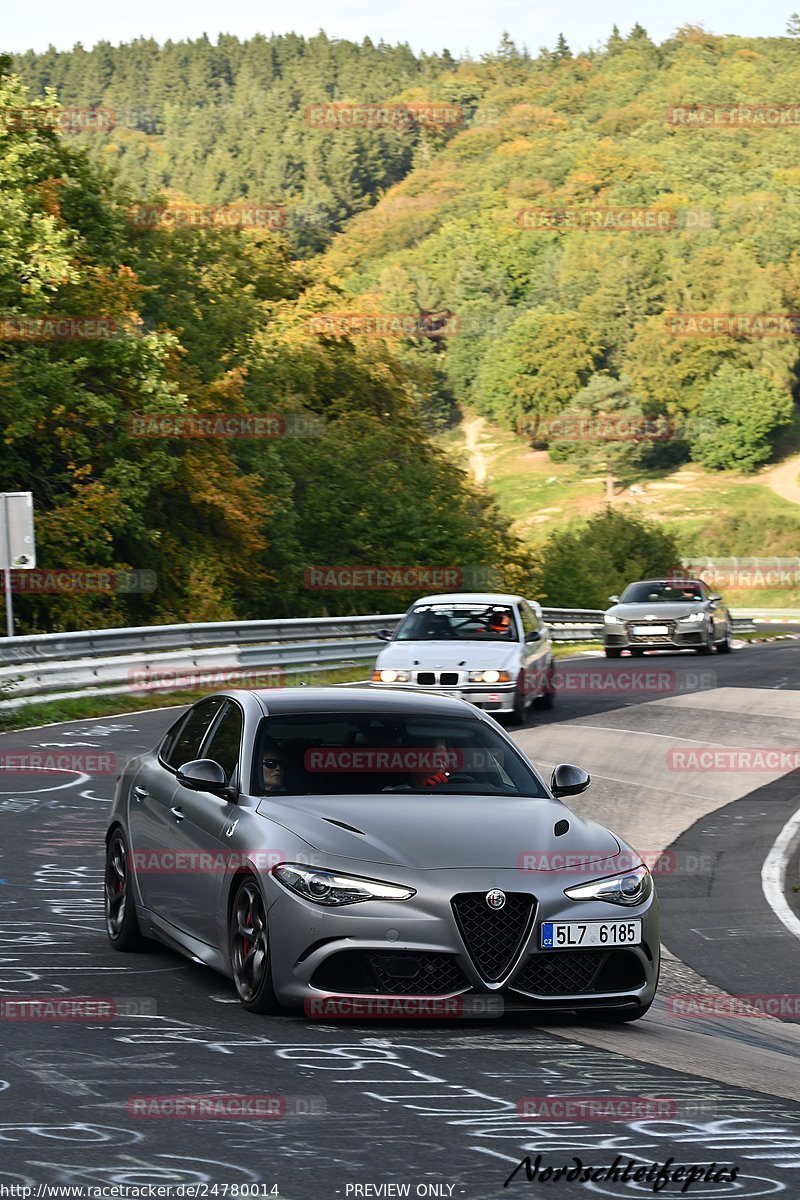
(644,630)
(566,935)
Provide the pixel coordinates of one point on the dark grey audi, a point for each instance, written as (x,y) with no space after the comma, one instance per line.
(350,843)
(667,614)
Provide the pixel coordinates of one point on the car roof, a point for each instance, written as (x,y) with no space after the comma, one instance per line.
(470,598)
(672,582)
(362,699)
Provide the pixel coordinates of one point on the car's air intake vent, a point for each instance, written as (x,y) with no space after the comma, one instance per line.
(449,678)
(494,936)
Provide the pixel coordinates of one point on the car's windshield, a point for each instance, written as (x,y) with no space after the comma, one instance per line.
(661,593)
(458,622)
(343,753)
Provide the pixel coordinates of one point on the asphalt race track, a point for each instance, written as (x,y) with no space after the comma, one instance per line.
(430,1107)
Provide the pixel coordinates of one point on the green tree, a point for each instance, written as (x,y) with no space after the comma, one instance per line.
(736,420)
(584,564)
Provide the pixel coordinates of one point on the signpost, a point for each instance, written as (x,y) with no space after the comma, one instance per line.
(17,542)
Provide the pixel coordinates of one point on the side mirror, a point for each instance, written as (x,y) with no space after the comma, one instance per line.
(568,780)
(203,775)
(715,596)
(533,635)
(384,635)
(614,599)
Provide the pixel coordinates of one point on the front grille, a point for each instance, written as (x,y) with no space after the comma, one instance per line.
(417,974)
(562,973)
(650,638)
(397,973)
(431,678)
(572,972)
(493,937)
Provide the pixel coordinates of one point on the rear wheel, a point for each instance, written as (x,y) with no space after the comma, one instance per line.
(122,926)
(249,949)
(724,647)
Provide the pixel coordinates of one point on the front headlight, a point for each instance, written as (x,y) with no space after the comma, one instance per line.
(389,675)
(612,620)
(325,887)
(489,677)
(692,617)
(631,888)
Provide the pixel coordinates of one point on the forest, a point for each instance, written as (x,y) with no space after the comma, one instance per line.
(415,267)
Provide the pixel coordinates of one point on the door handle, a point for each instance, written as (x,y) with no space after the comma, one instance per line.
(177,813)
(140,793)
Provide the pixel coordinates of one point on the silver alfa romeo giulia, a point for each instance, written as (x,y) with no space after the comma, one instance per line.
(331,842)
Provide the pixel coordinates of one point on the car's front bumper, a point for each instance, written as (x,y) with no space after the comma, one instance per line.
(496,698)
(416,948)
(674,639)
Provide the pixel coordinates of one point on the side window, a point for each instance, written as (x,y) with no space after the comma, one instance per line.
(169,738)
(530,623)
(226,739)
(186,745)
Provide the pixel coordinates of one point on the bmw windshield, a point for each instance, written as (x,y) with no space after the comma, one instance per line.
(459,622)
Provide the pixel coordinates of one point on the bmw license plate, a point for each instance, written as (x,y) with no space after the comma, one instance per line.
(644,630)
(567,935)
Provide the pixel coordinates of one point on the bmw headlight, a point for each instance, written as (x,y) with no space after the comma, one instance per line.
(489,677)
(612,620)
(389,675)
(631,888)
(691,618)
(330,889)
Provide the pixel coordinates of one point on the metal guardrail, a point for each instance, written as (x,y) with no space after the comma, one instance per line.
(168,657)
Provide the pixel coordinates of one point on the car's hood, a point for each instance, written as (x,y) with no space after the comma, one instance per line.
(449,655)
(426,832)
(662,612)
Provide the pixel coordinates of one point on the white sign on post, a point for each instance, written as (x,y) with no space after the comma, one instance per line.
(17,542)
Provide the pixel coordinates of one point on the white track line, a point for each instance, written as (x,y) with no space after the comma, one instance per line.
(773,874)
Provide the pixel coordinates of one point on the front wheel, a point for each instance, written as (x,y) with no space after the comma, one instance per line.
(548,696)
(613,653)
(724,647)
(122,926)
(249,950)
(710,644)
